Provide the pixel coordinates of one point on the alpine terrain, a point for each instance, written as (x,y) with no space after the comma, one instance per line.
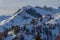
(32,23)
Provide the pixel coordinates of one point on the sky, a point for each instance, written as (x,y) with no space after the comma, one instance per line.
(9,7)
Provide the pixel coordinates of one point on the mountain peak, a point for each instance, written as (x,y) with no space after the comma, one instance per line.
(22,9)
(28,11)
(27,7)
(32,21)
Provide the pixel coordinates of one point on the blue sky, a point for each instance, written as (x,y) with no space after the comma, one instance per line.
(8,7)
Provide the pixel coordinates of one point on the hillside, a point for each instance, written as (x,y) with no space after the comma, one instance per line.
(31,23)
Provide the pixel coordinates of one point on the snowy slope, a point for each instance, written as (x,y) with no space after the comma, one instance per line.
(22,12)
(55,20)
(33,21)
(3,17)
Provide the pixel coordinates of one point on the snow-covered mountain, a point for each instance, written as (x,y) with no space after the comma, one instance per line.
(33,23)
(3,17)
(30,12)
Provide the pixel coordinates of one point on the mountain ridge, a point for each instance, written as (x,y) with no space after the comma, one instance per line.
(30,22)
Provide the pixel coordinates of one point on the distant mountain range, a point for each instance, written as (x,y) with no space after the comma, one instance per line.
(33,23)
